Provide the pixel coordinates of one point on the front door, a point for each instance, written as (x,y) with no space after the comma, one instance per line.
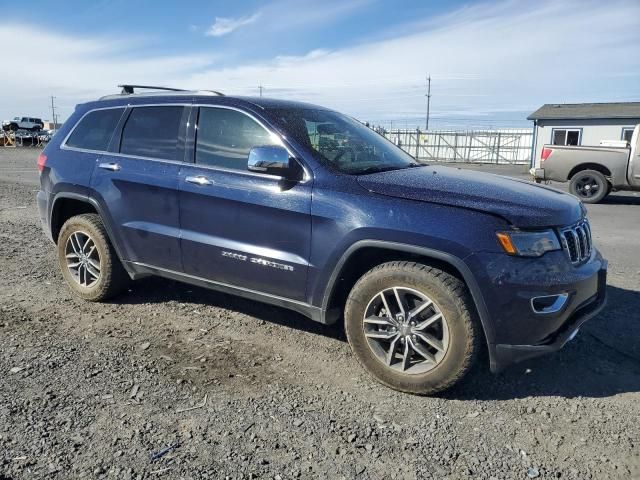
(634,159)
(137,181)
(238,227)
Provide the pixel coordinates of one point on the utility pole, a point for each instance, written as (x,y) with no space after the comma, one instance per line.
(53,113)
(428,100)
(260,87)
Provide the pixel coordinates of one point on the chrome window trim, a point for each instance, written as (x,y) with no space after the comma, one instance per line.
(64,146)
(305,169)
(307,174)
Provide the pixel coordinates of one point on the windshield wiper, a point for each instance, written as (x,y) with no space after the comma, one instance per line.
(376,169)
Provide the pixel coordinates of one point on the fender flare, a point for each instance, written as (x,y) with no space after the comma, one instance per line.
(105,221)
(456,262)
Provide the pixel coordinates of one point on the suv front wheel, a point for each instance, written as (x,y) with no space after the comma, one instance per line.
(412,327)
(88,261)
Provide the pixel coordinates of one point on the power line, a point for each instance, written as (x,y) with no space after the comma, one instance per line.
(428,100)
(53,113)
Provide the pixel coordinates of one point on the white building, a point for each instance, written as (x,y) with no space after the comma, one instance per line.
(582,124)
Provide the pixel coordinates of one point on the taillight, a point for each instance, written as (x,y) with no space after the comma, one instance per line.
(546,152)
(42,160)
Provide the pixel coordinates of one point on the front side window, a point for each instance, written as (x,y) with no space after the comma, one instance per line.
(95,129)
(152,132)
(340,142)
(224,138)
(627,133)
(562,136)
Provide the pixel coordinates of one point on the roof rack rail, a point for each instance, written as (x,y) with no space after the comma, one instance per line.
(129,89)
(213,91)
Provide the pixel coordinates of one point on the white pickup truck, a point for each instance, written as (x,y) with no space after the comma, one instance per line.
(593,172)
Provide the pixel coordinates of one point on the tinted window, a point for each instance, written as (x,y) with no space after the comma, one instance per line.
(627,133)
(152,132)
(95,129)
(225,137)
(341,142)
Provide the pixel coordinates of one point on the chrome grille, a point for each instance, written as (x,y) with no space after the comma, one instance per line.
(576,242)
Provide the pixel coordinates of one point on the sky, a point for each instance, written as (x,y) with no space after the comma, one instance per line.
(491,63)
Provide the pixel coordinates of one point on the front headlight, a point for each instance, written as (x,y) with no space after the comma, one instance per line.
(528,244)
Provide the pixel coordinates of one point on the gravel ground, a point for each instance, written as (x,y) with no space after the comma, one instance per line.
(171,381)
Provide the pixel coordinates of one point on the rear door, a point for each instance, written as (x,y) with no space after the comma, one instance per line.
(137,182)
(238,227)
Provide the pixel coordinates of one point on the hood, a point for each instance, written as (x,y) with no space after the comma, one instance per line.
(522,203)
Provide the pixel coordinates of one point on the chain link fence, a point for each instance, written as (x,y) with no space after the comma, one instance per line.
(505,146)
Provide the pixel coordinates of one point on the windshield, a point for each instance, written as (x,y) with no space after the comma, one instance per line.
(341,142)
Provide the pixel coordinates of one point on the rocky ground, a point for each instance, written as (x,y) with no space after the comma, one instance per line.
(171,381)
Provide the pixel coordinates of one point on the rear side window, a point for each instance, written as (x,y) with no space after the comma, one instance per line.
(152,132)
(224,138)
(95,129)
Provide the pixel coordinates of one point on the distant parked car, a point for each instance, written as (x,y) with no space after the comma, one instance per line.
(23,123)
(593,172)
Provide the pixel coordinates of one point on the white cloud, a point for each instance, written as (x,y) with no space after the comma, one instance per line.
(77,69)
(510,57)
(223,26)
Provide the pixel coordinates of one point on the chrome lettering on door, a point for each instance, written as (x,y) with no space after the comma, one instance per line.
(268,263)
(258,261)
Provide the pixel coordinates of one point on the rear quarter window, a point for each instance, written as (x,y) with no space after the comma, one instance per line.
(95,129)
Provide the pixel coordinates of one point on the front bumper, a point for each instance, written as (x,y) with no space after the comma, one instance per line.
(515,329)
(506,354)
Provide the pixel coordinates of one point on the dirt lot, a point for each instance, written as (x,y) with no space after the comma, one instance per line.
(104,390)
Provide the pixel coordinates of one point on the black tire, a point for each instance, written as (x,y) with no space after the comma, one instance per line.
(452,299)
(590,186)
(112,277)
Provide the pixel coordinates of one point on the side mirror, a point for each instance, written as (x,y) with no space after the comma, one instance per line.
(273,160)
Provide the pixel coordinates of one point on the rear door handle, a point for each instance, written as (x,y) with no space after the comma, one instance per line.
(199,180)
(114,167)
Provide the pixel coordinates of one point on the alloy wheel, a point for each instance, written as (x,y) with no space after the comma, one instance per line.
(406,330)
(83,259)
(587,186)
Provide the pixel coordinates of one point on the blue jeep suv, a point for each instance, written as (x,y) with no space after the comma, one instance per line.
(300,206)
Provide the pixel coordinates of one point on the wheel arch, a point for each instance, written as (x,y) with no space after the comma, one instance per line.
(67,204)
(365,254)
(589,166)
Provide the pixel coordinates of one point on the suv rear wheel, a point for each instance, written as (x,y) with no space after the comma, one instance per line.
(87,259)
(590,186)
(412,328)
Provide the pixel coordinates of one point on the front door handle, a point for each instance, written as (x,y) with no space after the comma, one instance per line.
(199,180)
(114,167)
